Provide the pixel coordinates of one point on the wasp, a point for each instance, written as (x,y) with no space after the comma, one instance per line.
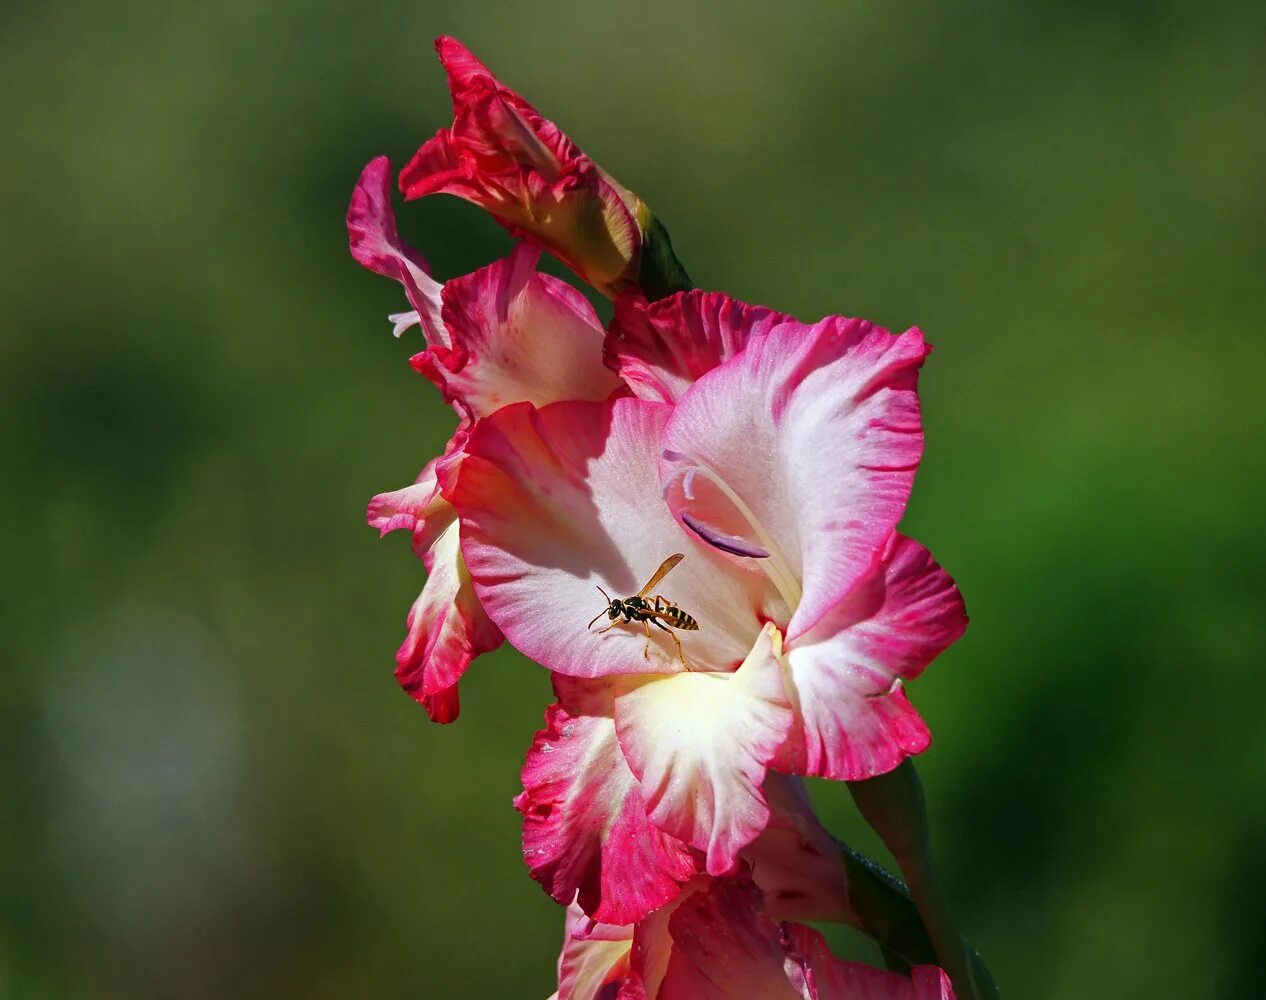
(655,612)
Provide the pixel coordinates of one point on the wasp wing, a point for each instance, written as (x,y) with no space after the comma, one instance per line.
(664,569)
(662,616)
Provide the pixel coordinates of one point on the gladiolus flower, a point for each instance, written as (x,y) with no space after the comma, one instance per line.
(781,473)
(502,155)
(504,334)
(692,521)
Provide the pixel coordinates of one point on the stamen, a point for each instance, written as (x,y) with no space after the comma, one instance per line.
(688,483)
(403,321)
(727,543)
(892,689)
(773,562)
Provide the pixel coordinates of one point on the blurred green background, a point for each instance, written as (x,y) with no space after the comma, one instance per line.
(212,786)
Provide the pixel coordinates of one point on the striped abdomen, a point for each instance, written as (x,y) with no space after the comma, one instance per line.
(675,616)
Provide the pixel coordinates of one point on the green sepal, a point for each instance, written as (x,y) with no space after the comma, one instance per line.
(659,272)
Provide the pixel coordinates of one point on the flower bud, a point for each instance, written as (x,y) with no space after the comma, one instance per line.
(502,155)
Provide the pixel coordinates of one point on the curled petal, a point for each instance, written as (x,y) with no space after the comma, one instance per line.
(819,975)
(421,508)
(447,630)
(700,744)
(558,502)
(797,864)
(803,445)
(496,124)
(407,507)
(375,243)
(725,946)
(585,831)
(661,348)
(502,155)
(443,706)
(438,168)
(519,336)
(853,720)
(653,942)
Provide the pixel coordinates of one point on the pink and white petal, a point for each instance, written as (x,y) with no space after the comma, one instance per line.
(853,720)
(376,244)
(447,630)
(856,740)
(725,946)
(594,962)
(919,615)
(700,744)
(819,975)
(661,348)
(797,863)
(558,502)
(585,831)
(520,336)
(804,446)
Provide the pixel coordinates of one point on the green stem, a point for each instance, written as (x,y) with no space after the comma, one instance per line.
(882,909)
(893,804)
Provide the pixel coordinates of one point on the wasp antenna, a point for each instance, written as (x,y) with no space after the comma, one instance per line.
(604,610)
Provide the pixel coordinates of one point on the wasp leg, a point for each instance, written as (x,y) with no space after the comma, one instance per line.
(677,642)
(604,631)
(680,655)
(646,650)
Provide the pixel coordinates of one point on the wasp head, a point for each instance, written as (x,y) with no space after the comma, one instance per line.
(612,610)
